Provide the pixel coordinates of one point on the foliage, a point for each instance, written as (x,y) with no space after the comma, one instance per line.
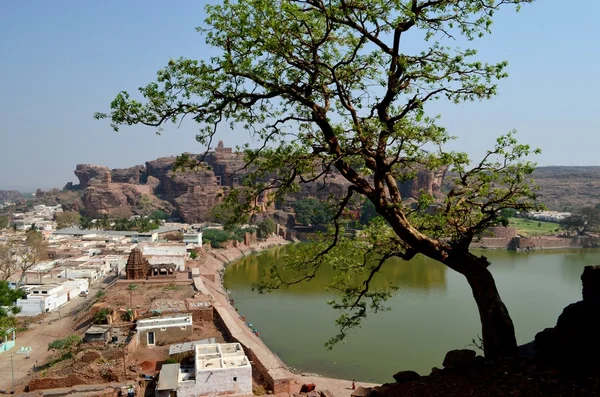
(143,225)
(266,227)
(8,298)
(171,360)
(22,255)
(368,212)
(67,219)
(228,215)
(159,215)
(4,222)
(583,222)
(193,255)
(216,237)
(101,316)
(312,212)
(65,345)
(330,87)
(85,222)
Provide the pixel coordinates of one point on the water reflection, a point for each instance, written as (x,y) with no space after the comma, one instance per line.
(297,322)
(418,274)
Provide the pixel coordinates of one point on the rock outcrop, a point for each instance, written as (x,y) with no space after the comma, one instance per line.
(426,181)
(195,205)
(573,343)
(139,189)
(134,175)
(91,174)
(10,196)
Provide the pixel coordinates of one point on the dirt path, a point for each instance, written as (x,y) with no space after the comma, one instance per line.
(54,326)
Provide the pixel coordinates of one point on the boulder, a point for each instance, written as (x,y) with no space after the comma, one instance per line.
(590,280)
(456,359)
(573,343)
(91,174)
(406,376)
(132,175)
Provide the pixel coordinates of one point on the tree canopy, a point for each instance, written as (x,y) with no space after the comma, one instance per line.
(582,222)
(312,212)
(330,88)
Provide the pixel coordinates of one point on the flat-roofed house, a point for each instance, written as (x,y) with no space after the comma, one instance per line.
(164,330)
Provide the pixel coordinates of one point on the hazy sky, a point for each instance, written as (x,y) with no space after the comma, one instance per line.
(63,60)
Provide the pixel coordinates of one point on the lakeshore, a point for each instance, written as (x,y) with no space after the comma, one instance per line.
(276,373)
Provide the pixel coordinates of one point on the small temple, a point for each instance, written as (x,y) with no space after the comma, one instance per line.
(138,267)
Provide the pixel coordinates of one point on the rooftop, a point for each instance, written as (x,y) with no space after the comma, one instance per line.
(98,329)
(178,321)
(169,377)
(189,346)
(220,355)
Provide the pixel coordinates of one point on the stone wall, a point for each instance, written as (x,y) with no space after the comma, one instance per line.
(547,242)
(491,242)
(275,383)
(169,335)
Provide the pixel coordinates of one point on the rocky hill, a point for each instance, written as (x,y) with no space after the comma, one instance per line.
(568,188)
(142,189)
(10,196)
(152,186)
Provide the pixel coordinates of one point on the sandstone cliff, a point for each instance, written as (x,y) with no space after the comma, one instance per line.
(142,189)
(90,174)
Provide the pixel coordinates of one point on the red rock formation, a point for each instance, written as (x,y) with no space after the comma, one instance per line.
(90,174)
(134,175)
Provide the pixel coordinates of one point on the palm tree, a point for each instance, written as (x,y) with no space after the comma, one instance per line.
(131,288)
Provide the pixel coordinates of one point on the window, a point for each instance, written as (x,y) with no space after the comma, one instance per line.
(183,328)
(235,378)
(163,329)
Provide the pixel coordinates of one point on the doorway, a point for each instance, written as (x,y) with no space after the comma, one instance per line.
(150,338)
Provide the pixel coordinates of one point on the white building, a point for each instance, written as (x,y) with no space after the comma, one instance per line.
(144,237)
(164,249)
(48,298)
(219,368)
(193,238)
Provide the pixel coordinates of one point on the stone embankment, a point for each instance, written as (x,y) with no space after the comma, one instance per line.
(276,374)
(507,238)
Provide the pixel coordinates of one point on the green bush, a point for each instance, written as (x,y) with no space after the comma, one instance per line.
(101,316)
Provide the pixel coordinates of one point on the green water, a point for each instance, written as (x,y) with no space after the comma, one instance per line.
(432,312)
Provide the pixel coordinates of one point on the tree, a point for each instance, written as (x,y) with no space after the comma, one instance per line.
(67,219)
(586,221)
(310,211)
(159,215)
(85,222)
(368,212)
(131,288)
(228,215)
(266,227)
(8,298)
(4,222)
(29,253)
(329,87)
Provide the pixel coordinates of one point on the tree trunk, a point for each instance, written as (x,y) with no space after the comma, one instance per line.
(498,331)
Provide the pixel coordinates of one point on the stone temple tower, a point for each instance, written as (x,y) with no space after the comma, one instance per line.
(137,265)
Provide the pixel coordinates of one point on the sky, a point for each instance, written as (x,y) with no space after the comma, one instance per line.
(61,61)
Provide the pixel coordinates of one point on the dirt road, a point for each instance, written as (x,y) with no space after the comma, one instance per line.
(54,326)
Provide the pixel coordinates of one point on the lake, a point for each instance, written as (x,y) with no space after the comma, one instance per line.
(432,312)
